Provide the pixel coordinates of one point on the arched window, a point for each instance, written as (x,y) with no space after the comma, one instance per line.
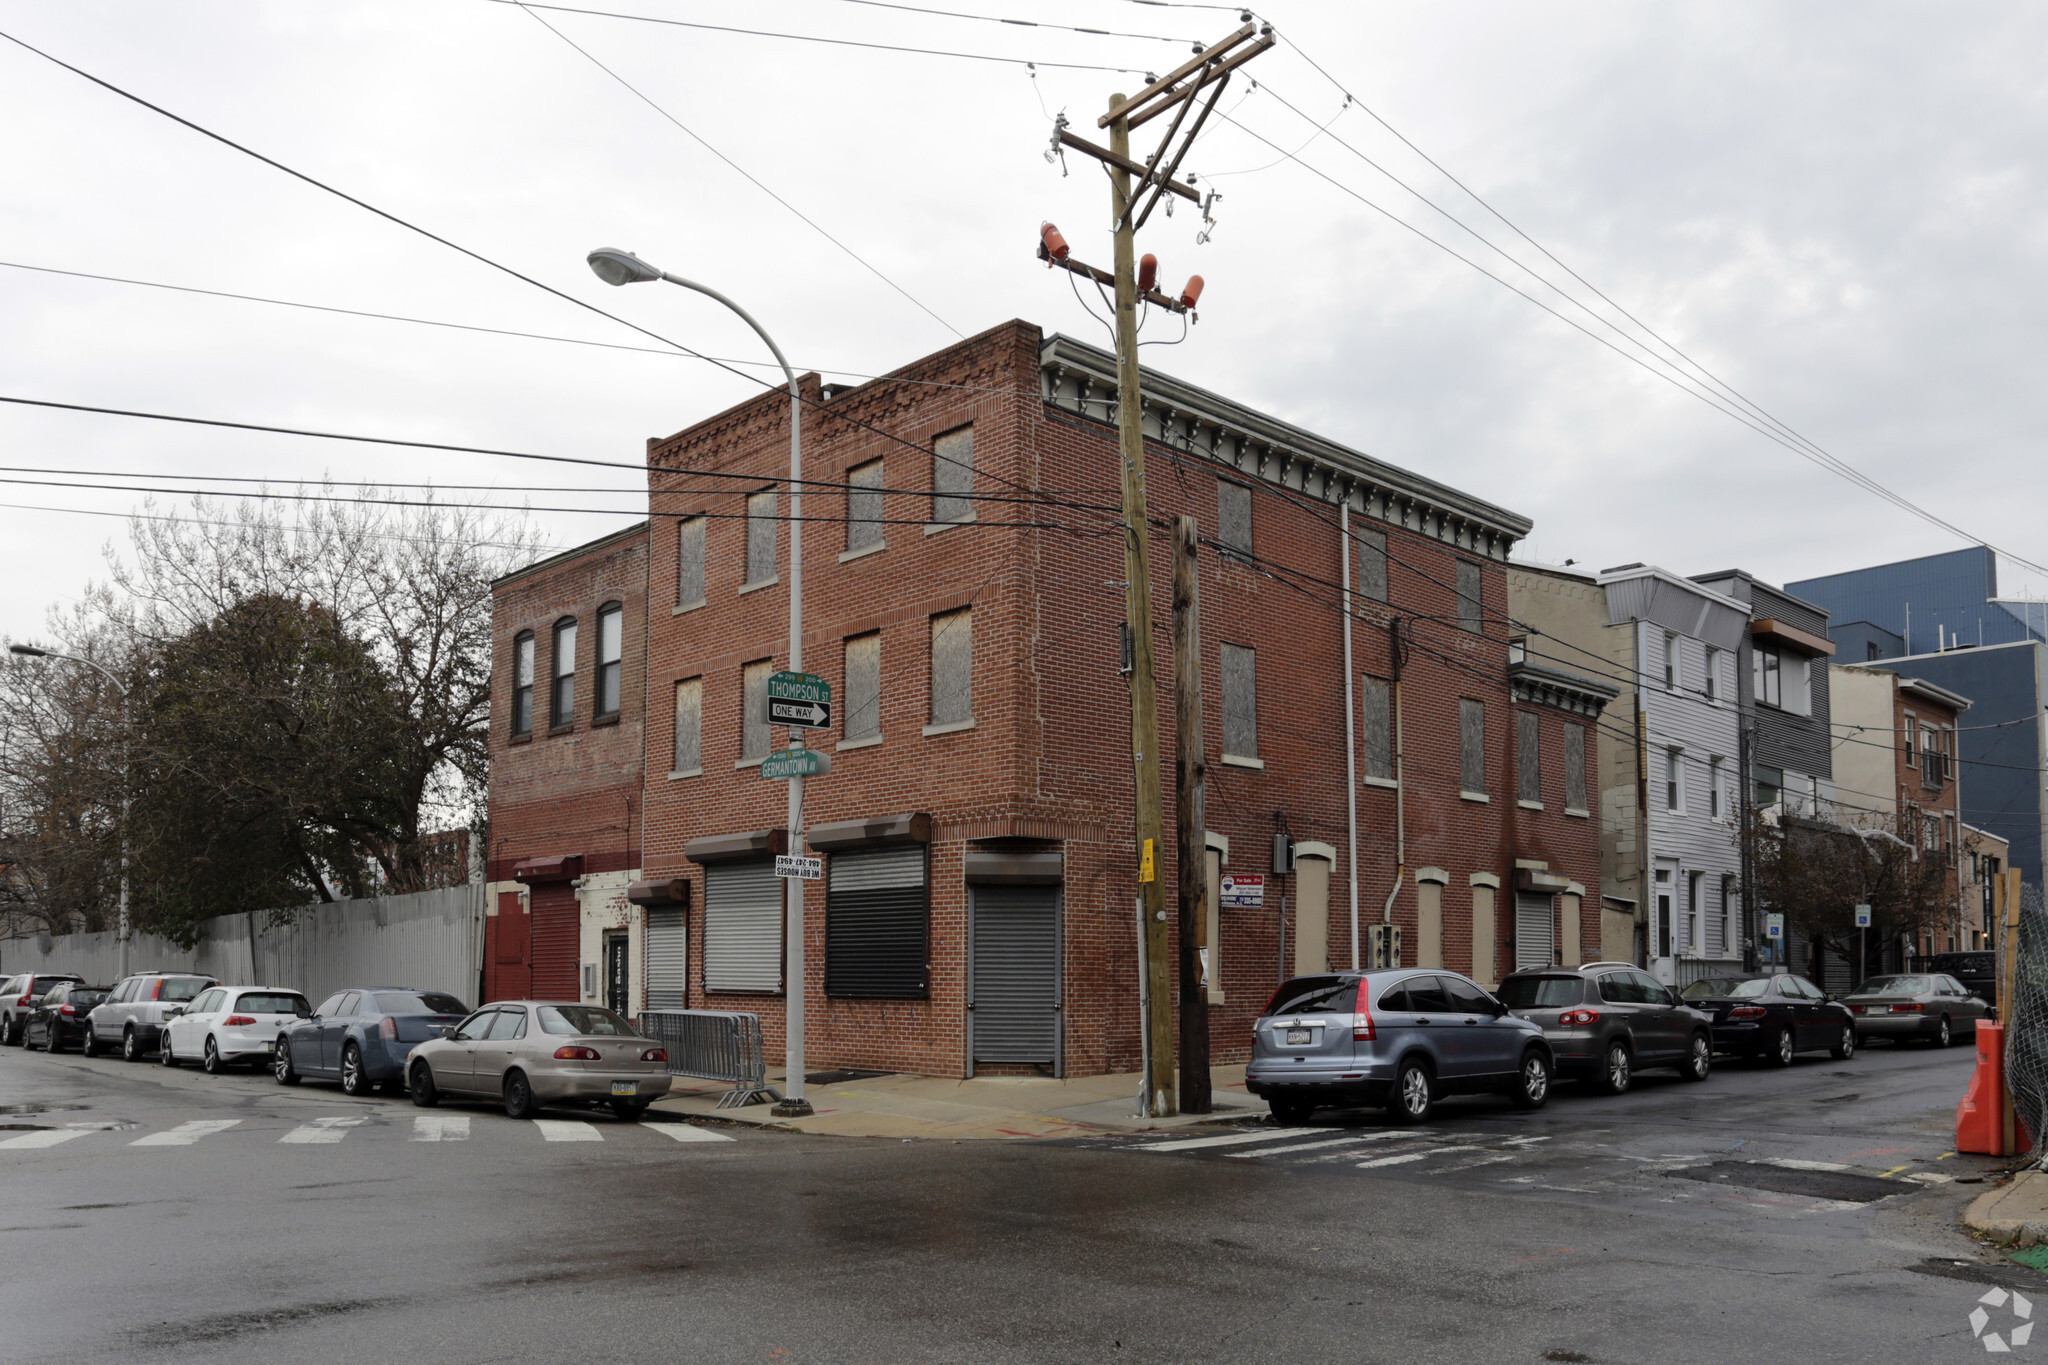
(563,701)
(522,683)
(610,642)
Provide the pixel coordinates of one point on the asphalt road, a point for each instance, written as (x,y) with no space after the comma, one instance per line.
(230,1219)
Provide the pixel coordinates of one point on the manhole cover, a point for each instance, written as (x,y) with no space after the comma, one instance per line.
(1758,1175)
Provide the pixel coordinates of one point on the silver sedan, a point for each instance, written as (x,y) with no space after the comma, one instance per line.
(530,1053)
(1927,1005)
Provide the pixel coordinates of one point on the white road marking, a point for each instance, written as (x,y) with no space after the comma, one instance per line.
(683,1132)
(1493,1160)
(444,1128)
(1230,1140)
(1931,1178)
(322,1130)
(567,1130)
(1290,1148)
(185,1134)
(47,1137)
(1406,1157)
(1791,1165)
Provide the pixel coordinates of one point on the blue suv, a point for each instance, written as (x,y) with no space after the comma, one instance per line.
(1399,1037)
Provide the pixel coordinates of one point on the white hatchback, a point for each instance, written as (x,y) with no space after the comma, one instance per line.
(230,1024)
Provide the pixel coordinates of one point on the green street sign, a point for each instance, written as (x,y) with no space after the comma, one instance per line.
(802,701)
(797,763)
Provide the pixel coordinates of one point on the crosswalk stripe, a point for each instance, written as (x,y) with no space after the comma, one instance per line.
(684,1132)
(1230,1140)
(1294,1147)
(185,1134)
(567,1130)
(47,1137)
(440,1128)
(1406,1157)
(321,1130)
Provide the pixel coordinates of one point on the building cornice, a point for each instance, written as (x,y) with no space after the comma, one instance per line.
(1536,685)
(1078,378)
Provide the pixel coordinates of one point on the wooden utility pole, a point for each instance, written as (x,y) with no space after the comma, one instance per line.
(1191,771)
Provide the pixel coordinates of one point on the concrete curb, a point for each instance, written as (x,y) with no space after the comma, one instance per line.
(2014,1214)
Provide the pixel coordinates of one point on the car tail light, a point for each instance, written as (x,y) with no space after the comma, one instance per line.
(1908,1009)
(654,1054)
(388,1027)
(156,992)
(67,1009)
(576,1054)
(239,1021)
(1747,1012)
(1577,1017)
(1362,1029)
(26,997)
(1855,1009)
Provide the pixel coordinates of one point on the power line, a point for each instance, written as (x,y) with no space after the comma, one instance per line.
(641,95)
(238,525)
(1024,23)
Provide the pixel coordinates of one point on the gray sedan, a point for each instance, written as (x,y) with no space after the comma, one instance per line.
(1925,1005)
(530,1053)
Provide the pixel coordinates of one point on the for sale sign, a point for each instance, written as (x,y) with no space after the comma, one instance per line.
(1243,891)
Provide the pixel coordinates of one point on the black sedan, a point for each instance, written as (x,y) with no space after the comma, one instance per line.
(1774,1018)
(361,1037)
(58,1018)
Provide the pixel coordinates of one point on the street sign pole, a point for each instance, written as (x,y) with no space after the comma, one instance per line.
(794,1105)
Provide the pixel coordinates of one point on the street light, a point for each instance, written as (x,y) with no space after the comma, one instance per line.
(31,652)
(614,266)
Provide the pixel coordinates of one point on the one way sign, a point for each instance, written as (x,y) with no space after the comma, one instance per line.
(802,701)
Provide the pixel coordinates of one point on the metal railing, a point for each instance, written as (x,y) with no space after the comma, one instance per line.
(714,1045)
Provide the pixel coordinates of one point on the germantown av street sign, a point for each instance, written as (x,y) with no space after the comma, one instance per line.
(796,763)
(800,700)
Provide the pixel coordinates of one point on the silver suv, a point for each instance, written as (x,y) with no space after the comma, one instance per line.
(133,1017)
(1607,1020)
(1400,1037)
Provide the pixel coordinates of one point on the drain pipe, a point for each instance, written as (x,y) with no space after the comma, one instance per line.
(1350,730)
(1400,776)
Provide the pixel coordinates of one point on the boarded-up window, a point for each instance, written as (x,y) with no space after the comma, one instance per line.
(953,475)
(864,506)
(953,668)
(1234,519)
(1377,715)
(863,701)
(760,536)
(689,726)
(754,709)
(690,562)
(1528,757)
(1470,610)
(1472,746)
(1575,766)
(1372,566)
(1240,668)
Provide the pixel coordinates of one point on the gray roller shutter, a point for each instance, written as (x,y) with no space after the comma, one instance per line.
(742,927)
(668,959)
(876,924)
(1535,930)
(1014,979)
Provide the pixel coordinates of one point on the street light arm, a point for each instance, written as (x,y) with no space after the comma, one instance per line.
(32,652)
(745,317)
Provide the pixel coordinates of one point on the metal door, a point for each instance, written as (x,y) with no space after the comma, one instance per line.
(1013,980)
(511,975)
(743,928)
(1535,930)
(618,995)
(555,925)
(668,959)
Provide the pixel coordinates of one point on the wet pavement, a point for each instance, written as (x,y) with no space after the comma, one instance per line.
(1806,1214)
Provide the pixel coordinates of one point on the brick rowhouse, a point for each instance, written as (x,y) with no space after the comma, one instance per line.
(979,912)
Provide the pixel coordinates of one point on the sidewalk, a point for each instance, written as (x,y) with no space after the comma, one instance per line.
(996,1107)
(2014,1214)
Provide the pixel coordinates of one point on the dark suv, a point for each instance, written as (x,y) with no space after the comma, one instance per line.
(18,998)
(1978,971)
(1607,1019)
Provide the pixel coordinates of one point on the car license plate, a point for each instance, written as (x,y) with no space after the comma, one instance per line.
(625,1087)
(1297,1036)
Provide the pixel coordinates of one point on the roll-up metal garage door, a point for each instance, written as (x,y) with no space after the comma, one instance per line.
(1535,930)
(876,924)
(668,959)
(1013,991)
(557,936)
(742,927)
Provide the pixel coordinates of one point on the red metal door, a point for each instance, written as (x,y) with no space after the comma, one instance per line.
(509,973)
(556,939)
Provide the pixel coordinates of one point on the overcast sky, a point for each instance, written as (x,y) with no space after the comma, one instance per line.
(1837,208)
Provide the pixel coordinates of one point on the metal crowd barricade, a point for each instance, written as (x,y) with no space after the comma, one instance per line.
(714,1045)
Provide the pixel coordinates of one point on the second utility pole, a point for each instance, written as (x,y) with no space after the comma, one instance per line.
(1145,755)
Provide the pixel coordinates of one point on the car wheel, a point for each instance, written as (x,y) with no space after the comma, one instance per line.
(1845,1047)
(1699,1059)
(1411,1100)
(353,1082)
(423,1092)
(1290,1113)
(210,1061)
(1615,1073)
(10,1032)
(1532,1083)
(281,1064)
(131,1046)
(1942,1034)
(518,1096)
(1781,1050)
(91,1046)
(54,1044)
(164,1055)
